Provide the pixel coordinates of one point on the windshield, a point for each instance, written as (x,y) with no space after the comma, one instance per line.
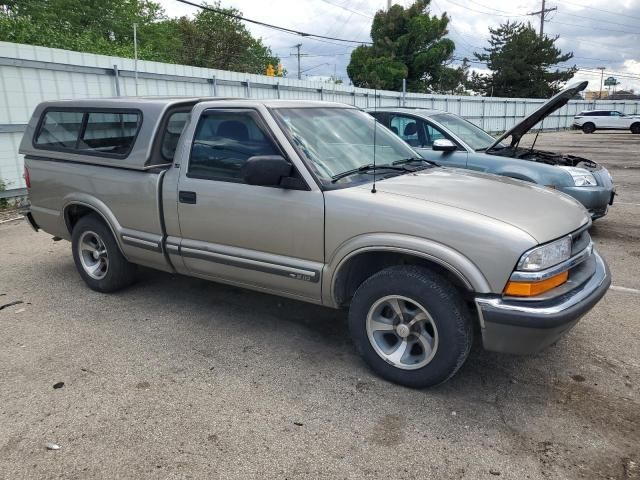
(469,133)
(337,140)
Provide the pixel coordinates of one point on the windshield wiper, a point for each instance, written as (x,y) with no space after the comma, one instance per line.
(367,168)
(405,161)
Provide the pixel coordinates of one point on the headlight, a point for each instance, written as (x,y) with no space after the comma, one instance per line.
(546,256)
(581,176)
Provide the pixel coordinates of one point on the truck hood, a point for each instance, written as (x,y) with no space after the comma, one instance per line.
(554,103)
(542,213)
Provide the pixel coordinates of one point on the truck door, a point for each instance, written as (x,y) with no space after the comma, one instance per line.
(271,238)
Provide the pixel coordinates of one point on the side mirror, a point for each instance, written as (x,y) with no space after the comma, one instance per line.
(443,145)
(265,170)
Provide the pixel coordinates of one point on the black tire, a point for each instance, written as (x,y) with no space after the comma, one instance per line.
(588,127)
(448,314)
(114,271)
(635,128)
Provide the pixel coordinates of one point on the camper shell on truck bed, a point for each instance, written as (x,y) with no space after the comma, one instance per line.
(147,118)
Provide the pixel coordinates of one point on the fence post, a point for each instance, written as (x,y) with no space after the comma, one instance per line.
(116,77)
(321,93)
(446,104)
(404,92)
(278,90)
(354,95)
(505,115)
(483,111)
(214,86)
(366,98)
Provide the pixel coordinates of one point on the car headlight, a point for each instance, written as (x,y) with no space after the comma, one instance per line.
(545,256)
(581,176)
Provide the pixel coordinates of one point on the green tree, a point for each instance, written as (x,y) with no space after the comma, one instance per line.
(407,43)
(521,64)
(95,26)
(215,40)
(106,27)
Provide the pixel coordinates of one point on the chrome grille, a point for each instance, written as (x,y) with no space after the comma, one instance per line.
(580,241)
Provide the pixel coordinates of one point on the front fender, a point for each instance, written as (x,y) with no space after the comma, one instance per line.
(454,261)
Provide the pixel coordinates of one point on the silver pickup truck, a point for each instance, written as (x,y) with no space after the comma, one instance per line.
(317,202)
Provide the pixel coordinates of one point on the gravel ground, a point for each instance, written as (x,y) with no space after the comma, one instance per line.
(180,378)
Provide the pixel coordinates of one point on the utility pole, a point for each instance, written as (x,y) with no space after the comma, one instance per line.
(388,5)
(299,72)
(601,80)
(542,12)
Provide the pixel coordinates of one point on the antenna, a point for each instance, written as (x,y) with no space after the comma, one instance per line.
(375,123)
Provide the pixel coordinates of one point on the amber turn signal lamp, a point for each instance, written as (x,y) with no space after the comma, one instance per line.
(531,289)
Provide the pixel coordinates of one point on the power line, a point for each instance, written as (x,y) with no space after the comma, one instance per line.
(600,9)
(592,28)
(599,19)
(485,13)
(268,25)
(348,9)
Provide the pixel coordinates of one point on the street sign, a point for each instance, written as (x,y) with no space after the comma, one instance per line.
(610,81)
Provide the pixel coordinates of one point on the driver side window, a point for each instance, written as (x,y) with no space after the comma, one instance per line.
(407,129)
(432,134)
(223,142)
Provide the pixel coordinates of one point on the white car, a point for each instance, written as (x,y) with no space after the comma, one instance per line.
(591,120)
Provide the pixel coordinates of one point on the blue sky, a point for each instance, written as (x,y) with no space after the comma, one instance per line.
(601,33)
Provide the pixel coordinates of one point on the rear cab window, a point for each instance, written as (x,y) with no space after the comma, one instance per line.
(96,132)
(173,129)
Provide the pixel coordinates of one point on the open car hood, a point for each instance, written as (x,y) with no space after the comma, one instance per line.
(556,102)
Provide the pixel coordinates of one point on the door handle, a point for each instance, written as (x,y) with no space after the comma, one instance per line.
(187,197)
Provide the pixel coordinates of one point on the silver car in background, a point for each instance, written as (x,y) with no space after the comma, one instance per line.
(450,140)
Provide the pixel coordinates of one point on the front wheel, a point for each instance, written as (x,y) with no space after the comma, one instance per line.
(635,128)
(588,128)
(98,257)
(411,326)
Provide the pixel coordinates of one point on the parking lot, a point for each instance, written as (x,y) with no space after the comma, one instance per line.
(178,377)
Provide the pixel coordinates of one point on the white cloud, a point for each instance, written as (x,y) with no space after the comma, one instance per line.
(599,32)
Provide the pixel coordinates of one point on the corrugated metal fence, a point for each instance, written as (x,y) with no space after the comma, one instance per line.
(29,75)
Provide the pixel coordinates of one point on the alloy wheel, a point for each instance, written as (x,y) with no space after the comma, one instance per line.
(93,255)
(402,332)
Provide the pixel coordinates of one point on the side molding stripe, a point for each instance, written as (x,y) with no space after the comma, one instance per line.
(140,243)
(250,264)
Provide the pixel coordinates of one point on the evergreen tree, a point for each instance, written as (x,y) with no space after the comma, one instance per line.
(407,43)
(520,63)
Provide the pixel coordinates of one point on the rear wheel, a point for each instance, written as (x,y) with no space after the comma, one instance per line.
(588,127)
(635,128)
(98,257)
(411,326)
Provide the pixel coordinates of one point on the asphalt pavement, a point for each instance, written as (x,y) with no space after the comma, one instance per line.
(180,378)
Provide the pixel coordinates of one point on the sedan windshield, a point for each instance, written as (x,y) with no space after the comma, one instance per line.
(469,133)
(334,141)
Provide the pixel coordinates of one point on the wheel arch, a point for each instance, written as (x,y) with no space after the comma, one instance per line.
(77,207)
(363,257)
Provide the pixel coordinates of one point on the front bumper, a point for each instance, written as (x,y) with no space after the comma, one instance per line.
(525,327)
(595,199)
